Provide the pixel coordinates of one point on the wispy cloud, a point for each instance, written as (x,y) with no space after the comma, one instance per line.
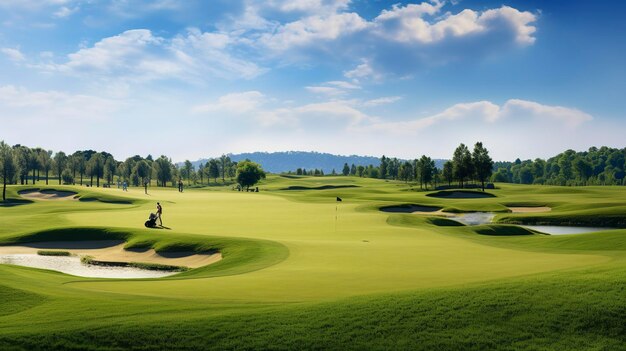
(13,54)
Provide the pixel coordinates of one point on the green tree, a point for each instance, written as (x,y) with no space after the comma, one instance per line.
(110,167)
(462,164)
(8,167)
(249,173)
(60,161)
(81,164)
(483,164)
(214,170)
(382,170)
(448,172)
(22,159)
(162,168)
(201,173)
(426,171)
(142,170)
(353,170)
(346,169)
(188,167)
(583,169)
(45,162)
(225,164)
(96,168)
(34,162)
(360,170)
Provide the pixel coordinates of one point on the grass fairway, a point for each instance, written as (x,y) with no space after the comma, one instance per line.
(292,276)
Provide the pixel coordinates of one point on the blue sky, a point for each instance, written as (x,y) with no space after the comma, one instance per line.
(194,79)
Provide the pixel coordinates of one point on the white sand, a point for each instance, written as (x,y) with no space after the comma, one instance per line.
(113,251)
(49,195)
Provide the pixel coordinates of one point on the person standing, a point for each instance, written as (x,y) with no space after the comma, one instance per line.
(180,185)
(160,214)
(125,186)
(145,185)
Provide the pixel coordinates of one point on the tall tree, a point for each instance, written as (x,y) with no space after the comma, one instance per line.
(142,170)
(22,158)
(96,168)
(60,161)
(110,167)
(462,164)
(8,167)
(162,167)
(201,173)
(224,165)
(483,164)
(427,169)
(188,167)
(384,163)
(81,164)
(346,169)
(214,169)
(45,162)
(448,172)
(34,162)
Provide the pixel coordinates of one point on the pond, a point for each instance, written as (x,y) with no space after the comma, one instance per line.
(72,265)
(562,230)
(477,218)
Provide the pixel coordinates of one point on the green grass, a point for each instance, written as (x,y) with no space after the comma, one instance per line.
(302,271)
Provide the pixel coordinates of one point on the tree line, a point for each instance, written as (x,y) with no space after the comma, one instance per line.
(216,168)
(23,165)
(465,166)
(596,166)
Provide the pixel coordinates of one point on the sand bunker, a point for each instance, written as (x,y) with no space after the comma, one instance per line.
(530,209)
(48,194)
(113,251)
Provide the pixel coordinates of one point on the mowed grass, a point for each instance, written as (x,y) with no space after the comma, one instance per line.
(301,270)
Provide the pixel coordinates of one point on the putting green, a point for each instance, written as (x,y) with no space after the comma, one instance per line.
(298,247)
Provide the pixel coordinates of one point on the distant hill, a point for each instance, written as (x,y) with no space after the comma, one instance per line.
(277,162)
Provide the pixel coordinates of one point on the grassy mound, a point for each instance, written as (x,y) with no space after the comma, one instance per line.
(17,300)
(322,187)
(409,208)
(444,222)
(563,311)
(501,230)
(238,255)
(461,194)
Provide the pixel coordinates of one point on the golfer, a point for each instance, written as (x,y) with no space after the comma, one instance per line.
(160,213)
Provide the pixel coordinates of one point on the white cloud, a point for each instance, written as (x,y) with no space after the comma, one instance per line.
(139,55)
(65,12)
(329,91)
(568,116)
(413,32)
(482,112)
(47,106)
(343,84)
(311,30)
(13,54)
(382,101)
(237,103)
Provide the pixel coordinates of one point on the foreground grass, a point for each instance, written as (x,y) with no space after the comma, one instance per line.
(293,277)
